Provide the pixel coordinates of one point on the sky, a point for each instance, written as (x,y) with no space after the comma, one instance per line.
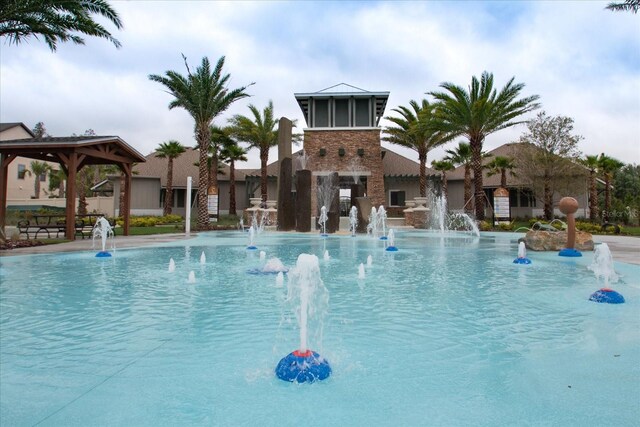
(582,60)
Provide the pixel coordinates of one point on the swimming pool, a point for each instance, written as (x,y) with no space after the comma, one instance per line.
(446,331)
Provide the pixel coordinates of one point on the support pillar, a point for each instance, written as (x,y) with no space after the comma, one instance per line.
(303,200)
(4,175)
(70,218)
(333,222)
(286,214)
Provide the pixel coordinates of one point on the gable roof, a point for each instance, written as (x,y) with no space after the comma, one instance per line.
(183,166)
(7,126)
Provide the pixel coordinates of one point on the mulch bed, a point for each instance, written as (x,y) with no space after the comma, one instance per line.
(13,244)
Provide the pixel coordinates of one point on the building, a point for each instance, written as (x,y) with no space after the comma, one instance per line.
(149,183)
(20,180)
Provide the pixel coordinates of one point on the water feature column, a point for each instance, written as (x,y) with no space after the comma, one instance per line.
(569,206)
(333,223)
(364,208)
(286,214)
(303,200)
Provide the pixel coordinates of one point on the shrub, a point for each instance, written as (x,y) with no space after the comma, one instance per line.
(485,226)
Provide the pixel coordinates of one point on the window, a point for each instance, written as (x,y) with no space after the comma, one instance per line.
(22,171)
(342,112)
(321,113)
(527,199)
(362,112)
(180,196)
(43,177)
(396,198)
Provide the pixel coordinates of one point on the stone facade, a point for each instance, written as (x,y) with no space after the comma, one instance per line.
(539,240)
(340,148)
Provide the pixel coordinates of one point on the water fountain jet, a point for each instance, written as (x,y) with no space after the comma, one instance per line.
(391,247)
(304,365)
(602,266)
(522,255)
(102,230)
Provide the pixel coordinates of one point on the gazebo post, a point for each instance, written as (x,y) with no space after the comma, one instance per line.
(126,168)
(72,168)
(5,160)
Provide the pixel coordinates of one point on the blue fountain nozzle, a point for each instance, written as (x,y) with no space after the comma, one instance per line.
(103,254)
(252,248)
(383,238)
(606,295)
(391,249)
(522,261)
(300,367)
(569,252)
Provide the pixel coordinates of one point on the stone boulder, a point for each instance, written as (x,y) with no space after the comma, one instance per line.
(537,240)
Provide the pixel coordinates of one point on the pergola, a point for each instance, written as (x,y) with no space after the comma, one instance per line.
(72,153)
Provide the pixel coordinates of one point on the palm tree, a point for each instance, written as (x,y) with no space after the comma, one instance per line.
(443,166)
(169,150)
(461,155)
(413,129)
(56,20)
(38,169)
(57,178)
(204,95)
(231,152)
(477,113)
(625,6)
(259,132)
(591,163)
(501,165)
(608,166)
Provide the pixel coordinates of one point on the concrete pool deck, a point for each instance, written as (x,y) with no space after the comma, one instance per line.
(623,248)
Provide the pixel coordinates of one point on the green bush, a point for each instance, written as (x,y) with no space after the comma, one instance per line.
(485,226)
(150,221)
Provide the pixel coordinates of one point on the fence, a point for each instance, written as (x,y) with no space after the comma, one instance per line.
(101,204)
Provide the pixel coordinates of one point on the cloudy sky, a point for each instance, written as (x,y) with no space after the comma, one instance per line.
(583,62)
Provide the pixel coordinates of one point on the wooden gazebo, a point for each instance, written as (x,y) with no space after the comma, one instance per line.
(72,153)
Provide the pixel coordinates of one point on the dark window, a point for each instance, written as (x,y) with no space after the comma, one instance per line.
(396,198)
(513,197)
(342,112)
(43,177)
(163,194)
(321,113)
(362,112)
(22,170)
(527,199)
(180,195)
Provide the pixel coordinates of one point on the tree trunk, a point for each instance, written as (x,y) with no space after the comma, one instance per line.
(593,197)
(168,196)
(422,157)
(36,187)
(61,192)
(467,189)
(81,190)
(264,157)
(548,199)
(204,140)
(476,163)
(607,198)
(232,187)
(503,178)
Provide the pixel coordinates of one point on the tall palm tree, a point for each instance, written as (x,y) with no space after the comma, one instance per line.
(38,169)
(204,95)
(170,150)
(443,166)
(608,166)
(501,165)
(478,112)
(413,129)
(591,163)
(231,152)
(56,21)
(259,131)
(461,155)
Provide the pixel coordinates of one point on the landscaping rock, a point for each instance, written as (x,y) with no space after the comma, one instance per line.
(556,240)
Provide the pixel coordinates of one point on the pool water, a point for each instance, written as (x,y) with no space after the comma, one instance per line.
(446,331)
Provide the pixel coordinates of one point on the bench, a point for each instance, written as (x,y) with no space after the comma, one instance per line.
(43,223)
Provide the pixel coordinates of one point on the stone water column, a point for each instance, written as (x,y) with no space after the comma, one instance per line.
(303,200)
(364,209)
(408,212)
(285,214)
(569,206)
(333,211)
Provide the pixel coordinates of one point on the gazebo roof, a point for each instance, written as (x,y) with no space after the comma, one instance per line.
(96,149)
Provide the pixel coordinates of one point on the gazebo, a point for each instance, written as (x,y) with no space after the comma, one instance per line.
(72,153)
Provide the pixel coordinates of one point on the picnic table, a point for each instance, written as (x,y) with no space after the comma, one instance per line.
(57,222)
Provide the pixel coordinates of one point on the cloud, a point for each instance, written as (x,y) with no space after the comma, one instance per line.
(583,61)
